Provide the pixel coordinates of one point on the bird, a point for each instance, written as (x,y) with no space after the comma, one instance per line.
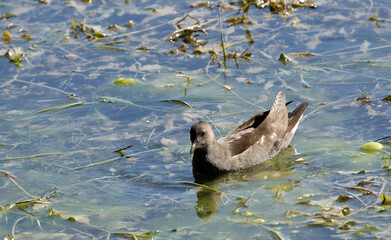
(258,139)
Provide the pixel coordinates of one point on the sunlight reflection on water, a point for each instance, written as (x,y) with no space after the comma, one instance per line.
(143,189)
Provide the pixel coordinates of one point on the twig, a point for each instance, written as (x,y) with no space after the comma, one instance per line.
(10,81)
(244,202)
(363,190)
(276,234)
(119,150)
(350,52)
(60,107)
(222,40)
(97,163)
(119,158)
(70,53)
(41,85)
(14,226)
(29,157)
(237,95)
(313,111)
(10,177)
(203,186)
(389,137)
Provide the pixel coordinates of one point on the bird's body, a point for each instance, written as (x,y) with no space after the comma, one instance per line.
(255,141)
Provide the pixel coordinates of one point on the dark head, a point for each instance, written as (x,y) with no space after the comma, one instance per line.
(201,135)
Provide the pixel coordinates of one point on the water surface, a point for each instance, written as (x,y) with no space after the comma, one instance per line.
(61,178)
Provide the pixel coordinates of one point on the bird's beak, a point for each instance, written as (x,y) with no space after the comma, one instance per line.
(193,147)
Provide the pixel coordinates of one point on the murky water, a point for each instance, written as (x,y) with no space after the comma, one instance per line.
(62,179)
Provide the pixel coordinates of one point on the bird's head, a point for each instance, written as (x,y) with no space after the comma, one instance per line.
(201,135)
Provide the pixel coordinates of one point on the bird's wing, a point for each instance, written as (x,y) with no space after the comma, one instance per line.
(244,136)
(269,124)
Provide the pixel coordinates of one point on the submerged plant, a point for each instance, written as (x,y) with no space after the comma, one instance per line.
(282,7)
(6,37)
(376,19)
(365,98)
(89,32)
(188,34)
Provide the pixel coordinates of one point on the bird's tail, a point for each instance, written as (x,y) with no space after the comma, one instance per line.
(295,116)
(279,103)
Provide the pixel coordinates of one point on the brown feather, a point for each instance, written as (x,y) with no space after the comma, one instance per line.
(256,140)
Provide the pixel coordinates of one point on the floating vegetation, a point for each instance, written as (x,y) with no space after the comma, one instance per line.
(60,107)
(365,98)
(343,198)
(115,43)
(26,36)
(7,15)
(114,28)
(228,87)
(110,48)
(129,24)
(89,32)
(143,48)
(154,10)
(348,225)
(15,56)
(334,212)
(182,49)
(98,163)
(324,223)
(376,19)
(372,146)
(385,200)
(307,202)
(284,58)
(239,20)
(147,235)
(282,7)
(6,37)
(109,45)
(384,138)
(124,81)
(29,157)
(244,55)
(248,214)
(368,228)
(114,100)
(178,102)
(387,98)
(365,182)
(119,151)
(387,164)
(297,55)
(188,34)
(204,4)
(305,195)
(138,186)
(258,221)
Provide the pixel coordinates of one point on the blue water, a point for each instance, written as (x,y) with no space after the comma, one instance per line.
(143,190)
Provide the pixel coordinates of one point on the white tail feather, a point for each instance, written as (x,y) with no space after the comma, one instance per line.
(279,102)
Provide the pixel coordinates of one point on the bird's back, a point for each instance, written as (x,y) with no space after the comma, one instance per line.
(264,135)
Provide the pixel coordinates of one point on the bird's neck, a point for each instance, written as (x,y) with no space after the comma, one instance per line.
(219,155)
(204,158)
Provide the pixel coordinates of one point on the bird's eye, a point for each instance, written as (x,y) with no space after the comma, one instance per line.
(202,133)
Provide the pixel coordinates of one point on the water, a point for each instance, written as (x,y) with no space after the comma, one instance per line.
(62,162)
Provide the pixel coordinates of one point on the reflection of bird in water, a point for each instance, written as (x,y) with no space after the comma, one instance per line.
(208,202)
(209,197)
(255,141)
